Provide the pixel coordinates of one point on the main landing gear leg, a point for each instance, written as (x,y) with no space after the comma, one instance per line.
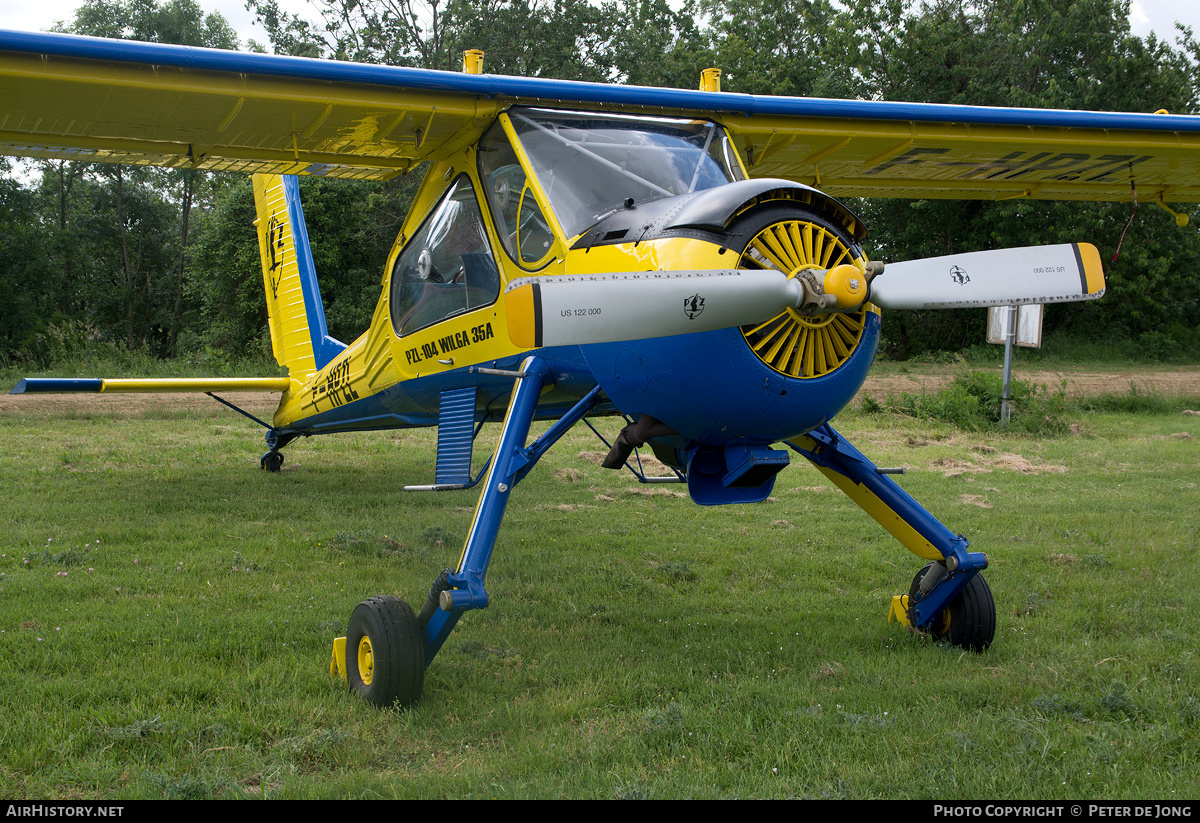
(384,630)
(948,598)
(272,461)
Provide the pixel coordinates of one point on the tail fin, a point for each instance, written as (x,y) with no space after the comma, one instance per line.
(299,336)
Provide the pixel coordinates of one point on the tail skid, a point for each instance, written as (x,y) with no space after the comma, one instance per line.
(299,337)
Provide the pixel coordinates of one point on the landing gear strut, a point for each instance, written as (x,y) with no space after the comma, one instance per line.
(384,654)
(272,461)
(948,597)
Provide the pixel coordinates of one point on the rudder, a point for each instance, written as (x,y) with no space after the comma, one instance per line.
(299,336)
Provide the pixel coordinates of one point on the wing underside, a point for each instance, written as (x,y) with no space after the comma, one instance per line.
(219,115)
(90,99)
(960,160)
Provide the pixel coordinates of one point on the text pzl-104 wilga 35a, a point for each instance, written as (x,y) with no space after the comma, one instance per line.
(576,250)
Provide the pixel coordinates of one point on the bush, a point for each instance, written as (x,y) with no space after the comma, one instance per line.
(973,402)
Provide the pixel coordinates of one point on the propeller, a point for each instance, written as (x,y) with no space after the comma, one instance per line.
(602,308)
(1004,277)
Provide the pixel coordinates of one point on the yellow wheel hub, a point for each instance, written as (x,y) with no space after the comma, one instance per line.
(366,661)
(791,343)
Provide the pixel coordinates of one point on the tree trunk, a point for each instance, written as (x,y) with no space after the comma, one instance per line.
(189,188)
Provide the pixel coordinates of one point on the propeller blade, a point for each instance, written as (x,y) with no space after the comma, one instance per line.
(603,308)
(1005,277)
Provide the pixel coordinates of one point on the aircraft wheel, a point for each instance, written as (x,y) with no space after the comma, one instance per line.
(272,461)
(385,653)
(969,622)
(938,626)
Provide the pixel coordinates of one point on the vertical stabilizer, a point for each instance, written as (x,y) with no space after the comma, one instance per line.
(299,336)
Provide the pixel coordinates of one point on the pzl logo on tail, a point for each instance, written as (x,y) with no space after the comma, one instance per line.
(693,306)
(275,247)
(959,275)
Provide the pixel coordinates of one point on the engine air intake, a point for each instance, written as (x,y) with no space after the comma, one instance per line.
(804,346)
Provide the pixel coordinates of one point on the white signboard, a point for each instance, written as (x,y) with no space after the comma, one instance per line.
(1029,324)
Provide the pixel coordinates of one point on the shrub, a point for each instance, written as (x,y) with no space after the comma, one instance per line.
(973,401)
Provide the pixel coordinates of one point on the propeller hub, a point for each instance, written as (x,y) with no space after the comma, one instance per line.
(846,283)
(818,334)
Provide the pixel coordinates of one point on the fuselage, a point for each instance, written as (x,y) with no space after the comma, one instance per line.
(551,193)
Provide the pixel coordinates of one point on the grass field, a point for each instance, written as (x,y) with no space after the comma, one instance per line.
(166,612)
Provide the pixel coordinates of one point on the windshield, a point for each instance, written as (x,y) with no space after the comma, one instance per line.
(590,164)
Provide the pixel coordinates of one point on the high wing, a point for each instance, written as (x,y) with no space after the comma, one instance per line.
(98,100)
(920,150)
(81,98)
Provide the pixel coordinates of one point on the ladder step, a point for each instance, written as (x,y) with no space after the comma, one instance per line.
(456,430)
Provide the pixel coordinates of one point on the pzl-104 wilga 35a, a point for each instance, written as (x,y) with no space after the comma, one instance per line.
(675,257)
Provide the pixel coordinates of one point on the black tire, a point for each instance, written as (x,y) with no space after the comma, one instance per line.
(385,637)
(973,616)
(937,627)
(969,622)
(272,461)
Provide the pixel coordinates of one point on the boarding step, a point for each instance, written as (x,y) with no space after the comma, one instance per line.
(456,436)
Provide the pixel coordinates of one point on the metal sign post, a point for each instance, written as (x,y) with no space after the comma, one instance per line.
(1010,327)
(1013,325)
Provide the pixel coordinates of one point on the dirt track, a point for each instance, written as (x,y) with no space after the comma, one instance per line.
(1172,381)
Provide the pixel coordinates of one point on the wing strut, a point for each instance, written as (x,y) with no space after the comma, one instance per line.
(463,588)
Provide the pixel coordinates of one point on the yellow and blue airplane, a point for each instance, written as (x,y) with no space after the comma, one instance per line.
(675,257)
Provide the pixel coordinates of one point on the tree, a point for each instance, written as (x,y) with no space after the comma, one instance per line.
(181,22)
(785,47)
(24,266)
(1076,54)
(152,261)
(395,32)
(168,259)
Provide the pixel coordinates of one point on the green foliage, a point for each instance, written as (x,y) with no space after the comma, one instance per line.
(352,252)
(227,275)
(1029,54)
(24,266)
(105,246)
(71,340)
(181,22)
(1136,402)
(973,402)
(787,47)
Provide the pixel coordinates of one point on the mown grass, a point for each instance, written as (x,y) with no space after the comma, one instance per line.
(166,610)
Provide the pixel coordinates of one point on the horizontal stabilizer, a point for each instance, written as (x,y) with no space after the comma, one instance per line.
(46,385)
(1005,277)
(602,308)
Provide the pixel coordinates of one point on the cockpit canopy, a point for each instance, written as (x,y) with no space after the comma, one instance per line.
(590,164)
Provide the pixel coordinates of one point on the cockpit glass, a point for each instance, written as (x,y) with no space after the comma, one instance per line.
(522,227)
(447,268)
(590,164)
